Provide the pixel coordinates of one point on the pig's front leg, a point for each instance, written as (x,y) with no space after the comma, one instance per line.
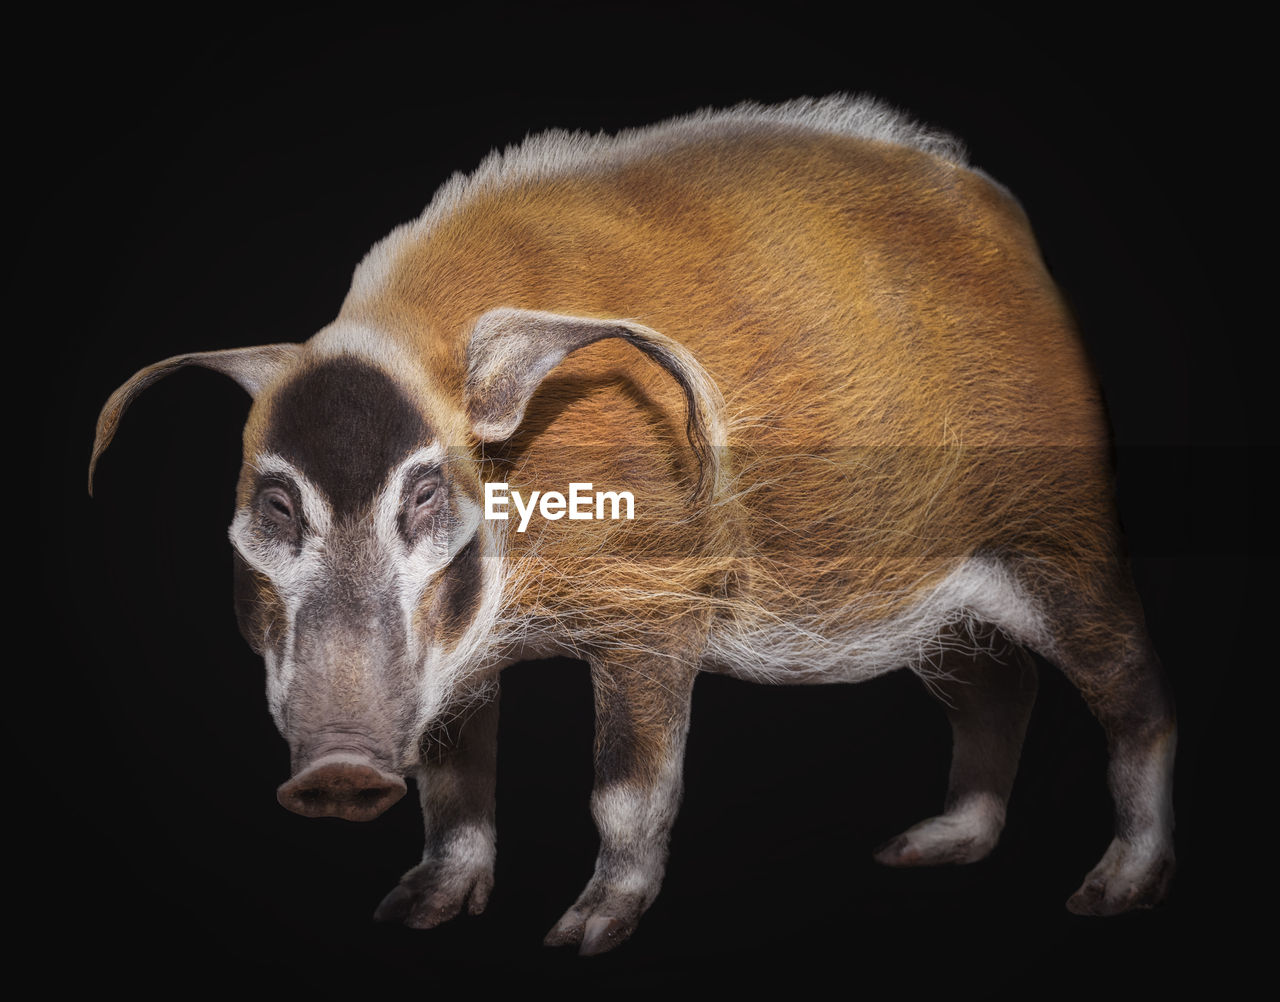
(456,789)
(642,720)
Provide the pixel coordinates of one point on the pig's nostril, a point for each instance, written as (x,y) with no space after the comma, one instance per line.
(341,789)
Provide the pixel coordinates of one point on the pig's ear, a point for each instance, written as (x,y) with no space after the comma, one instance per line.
(253,368)
(511,352)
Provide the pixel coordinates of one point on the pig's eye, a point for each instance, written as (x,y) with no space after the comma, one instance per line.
(424,492)
(277,506)
(422,501)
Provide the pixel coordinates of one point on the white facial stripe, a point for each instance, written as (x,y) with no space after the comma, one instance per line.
(387,512)
(443,673)
(292,575)
(417,563)
(276,686)
(315,508)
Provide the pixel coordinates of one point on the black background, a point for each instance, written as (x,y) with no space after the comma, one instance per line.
(206,185)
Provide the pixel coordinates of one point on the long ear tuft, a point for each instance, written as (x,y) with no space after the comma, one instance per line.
(253,368)
(511,351)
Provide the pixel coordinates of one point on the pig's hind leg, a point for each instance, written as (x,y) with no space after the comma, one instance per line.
(1081,612)
(456,789)
(988,700)
(1096,634)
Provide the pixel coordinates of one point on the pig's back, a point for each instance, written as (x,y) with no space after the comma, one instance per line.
(868,268)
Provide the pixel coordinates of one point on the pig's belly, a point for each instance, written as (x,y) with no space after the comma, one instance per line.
(978,606)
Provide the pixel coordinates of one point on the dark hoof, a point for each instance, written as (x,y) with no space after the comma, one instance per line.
(1119,884)
(602,933)
(429,895)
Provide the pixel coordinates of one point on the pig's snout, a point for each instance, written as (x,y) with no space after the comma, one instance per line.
(341,787)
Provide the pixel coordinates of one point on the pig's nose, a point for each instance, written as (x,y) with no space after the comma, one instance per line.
(341,788)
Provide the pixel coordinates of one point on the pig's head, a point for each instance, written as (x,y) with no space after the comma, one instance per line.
(360,572)
(365,576)
(360,567)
